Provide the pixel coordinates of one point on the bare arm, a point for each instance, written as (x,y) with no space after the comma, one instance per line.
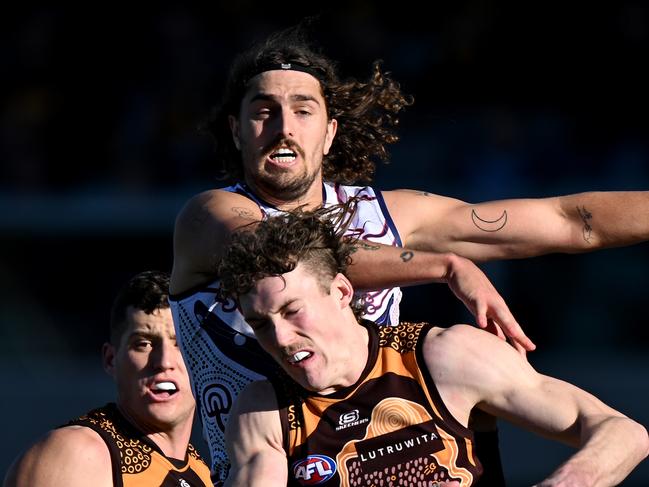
(254,440)
(74,456)
(472,368)
(202,231)
(520,227)
(377,266)
(204,226)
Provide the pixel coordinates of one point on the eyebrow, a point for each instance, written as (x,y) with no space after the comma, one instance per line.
(255,316)
(297,97)
(146,334)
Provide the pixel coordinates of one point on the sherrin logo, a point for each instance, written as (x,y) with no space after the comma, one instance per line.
(314,469)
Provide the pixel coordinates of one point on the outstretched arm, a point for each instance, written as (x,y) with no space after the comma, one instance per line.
(204,226)
(473,368)
(376,266)
(518,228)
(254,440)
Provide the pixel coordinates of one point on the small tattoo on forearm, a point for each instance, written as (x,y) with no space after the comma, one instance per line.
(244,213)
(586,215)
(489,225)
(407,255)
(368,246)
(424,193)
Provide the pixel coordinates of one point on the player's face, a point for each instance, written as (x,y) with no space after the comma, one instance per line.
(283,133)
(304,328)
(152,381)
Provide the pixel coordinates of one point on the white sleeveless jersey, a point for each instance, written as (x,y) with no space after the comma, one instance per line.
(219,347)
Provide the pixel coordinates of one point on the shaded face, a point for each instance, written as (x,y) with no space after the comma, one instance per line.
(283,133)
(152,381)
(305,327)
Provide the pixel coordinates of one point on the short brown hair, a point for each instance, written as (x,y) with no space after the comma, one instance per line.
(147,291)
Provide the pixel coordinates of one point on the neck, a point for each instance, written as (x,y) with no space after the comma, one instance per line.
(309,199)
(354,357)
(172,439)
(172,443)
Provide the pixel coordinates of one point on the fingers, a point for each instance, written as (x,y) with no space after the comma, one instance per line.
(481,314)
(513,330)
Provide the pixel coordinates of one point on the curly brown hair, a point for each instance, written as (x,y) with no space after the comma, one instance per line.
(366,111)
(276,245)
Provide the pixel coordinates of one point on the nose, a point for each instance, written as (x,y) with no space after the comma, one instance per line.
(284,122)
(283,334)
(165,355)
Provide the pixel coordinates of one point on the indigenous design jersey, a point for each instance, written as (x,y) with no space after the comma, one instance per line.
(136,460)
(219,347)
(390,428)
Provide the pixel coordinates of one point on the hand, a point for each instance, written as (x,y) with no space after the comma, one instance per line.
(474,289)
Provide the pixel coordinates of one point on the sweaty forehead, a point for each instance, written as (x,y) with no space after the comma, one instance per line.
(284,84)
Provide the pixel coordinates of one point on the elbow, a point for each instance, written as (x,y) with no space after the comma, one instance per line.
(645,441)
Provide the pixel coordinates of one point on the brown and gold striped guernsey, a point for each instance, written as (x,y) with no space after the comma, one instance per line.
(136,460)
(390,428)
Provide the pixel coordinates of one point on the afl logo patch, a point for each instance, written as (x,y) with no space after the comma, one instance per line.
(314,469)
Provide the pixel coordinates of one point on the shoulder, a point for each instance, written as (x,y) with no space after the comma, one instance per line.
(467,344)
(73,455)
(217,205)
(474,360)
(203,228)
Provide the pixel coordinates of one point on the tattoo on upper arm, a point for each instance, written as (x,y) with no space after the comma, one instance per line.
(244,213)
(407,255)
(586,215)
(489,225)
(424,193)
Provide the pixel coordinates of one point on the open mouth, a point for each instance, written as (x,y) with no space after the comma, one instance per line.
(165,388)
(283,156)
(298,357)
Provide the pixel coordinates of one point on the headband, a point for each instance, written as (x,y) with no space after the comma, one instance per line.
(284,67)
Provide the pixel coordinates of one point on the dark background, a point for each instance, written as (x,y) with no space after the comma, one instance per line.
(99,151)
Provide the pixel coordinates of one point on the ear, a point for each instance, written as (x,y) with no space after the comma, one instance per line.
(332,126)
(342,288)
(108,354)
(235,129)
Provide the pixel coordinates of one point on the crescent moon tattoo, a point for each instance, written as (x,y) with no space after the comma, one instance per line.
(489,225)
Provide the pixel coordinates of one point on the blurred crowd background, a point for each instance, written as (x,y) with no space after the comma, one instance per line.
(99,149)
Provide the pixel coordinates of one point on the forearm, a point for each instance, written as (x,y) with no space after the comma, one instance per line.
(376,266)
(610,450)
(606,219)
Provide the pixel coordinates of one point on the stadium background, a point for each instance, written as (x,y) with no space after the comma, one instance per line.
(99,151)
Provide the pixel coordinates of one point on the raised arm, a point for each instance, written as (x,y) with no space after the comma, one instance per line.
(473,368)
(253,439)
(74,456)
(519,228)
(202,231)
